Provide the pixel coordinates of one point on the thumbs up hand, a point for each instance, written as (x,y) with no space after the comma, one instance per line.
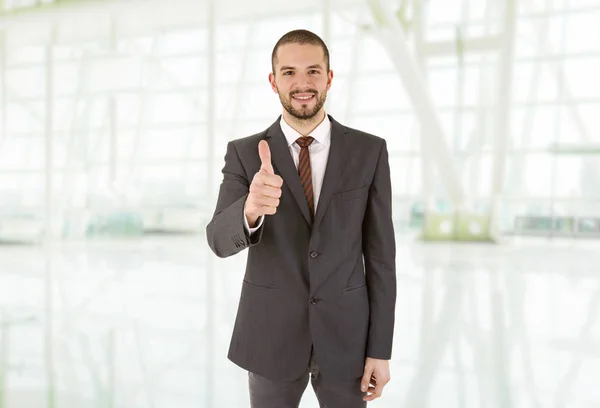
(265,189)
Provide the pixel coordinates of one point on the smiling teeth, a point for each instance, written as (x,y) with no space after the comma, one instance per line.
(303,97)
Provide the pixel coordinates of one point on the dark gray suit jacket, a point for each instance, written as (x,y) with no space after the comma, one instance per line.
(331,284)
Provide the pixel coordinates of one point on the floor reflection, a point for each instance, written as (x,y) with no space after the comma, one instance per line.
(146,323)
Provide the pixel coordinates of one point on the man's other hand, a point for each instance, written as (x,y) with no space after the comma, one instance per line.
(376,376)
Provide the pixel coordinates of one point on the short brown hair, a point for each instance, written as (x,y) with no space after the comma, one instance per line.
(300,37)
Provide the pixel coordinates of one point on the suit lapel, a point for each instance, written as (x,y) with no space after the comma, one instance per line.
(338,151)
(284,166)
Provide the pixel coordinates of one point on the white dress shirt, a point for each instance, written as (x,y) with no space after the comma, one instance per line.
(318,152)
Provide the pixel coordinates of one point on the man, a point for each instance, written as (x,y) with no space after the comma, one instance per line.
(311,199)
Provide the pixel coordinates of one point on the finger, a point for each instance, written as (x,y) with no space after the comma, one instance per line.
(264,178)
(267,210)
(366,379)
(272,192)
(371,394)
(259,209)
(258,198)
(370,397)
(265,157)
(257,189)
(378,390)
(267,201)
(371,390)
(272,180)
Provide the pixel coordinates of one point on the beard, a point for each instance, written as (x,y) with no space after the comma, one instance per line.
(305,112)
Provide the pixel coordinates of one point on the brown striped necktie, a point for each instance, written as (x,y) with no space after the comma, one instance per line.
(305,173)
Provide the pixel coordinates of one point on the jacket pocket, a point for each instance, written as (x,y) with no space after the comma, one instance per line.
(355,287)
(354,193)
(254,285)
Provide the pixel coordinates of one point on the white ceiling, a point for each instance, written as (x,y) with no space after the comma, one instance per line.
(91,18)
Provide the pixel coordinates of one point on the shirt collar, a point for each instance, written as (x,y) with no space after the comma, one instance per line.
(321,134)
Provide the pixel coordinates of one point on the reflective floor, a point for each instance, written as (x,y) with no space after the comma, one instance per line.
(146,323)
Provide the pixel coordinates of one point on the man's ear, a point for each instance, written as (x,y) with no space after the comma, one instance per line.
(272,82)
(329,79)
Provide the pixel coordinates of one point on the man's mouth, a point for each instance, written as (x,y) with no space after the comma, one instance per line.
(304,97)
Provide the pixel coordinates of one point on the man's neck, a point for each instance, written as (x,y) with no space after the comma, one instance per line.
(304,126)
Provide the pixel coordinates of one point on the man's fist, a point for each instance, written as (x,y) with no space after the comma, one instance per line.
(265,189)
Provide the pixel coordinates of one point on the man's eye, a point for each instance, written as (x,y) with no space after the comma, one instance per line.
(287,72)
(314,71)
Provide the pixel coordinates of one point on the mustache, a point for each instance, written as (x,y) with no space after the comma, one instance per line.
(314,91)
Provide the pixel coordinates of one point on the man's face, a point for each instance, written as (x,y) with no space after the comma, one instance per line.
(301,79)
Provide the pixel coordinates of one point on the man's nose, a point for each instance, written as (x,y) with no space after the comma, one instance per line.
(303,78)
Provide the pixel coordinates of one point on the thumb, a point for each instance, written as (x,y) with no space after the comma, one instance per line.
(265,157)
(366,379)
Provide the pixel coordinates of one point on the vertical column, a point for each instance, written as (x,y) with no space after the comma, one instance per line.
(560,103)
(500,142)
(503,397)
(326,29)
(49,135)
(112,147)
(3,50)
(211,56)
(480,133)
(112,112)
(211,97)
(426,157)
(48,223)
(326,20)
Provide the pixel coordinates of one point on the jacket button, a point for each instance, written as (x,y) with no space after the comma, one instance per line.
(314,301)
(313,254)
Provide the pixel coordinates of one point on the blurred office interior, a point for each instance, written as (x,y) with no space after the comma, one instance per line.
(114,118)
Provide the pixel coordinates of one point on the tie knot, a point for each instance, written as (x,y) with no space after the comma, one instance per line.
(304,141)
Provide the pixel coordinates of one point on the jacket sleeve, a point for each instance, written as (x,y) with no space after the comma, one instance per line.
(379,252)
(225,232)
